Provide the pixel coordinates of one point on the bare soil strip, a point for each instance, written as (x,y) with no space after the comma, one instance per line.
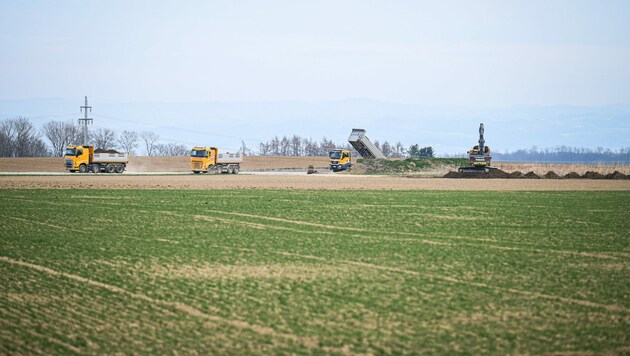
(306,341)
(305,182)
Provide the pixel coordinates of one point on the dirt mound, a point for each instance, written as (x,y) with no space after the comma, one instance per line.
(531,175)
(495,173)
(551,175)
(340,183)
(516,174)
(617,175)
(593,175)
(452,174)
(572,175)
(100,150)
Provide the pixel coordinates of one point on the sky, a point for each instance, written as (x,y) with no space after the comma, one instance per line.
(482,55)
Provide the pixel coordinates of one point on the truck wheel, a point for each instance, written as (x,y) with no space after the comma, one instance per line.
(82,168)
(96,168)
(219,170)
(120,169)
(110,168)
(230,170)
(236,169)
(196,172)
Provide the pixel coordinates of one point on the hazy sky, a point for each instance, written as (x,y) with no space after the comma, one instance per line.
(470,53)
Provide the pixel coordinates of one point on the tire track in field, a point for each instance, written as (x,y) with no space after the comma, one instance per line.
(496,247)
(83,231)
(309,342)
(43,224)
(299,222)
(50,339)
(585,303)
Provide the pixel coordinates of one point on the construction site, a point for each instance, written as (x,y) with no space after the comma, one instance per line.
(315,177)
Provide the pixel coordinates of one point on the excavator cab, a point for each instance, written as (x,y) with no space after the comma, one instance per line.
(340,160)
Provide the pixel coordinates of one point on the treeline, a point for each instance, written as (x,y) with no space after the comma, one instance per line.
(566,154)
(19,138)
(300,146)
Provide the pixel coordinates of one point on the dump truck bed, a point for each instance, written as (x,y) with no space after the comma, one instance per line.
(111,158)
(229,158)
(363,145)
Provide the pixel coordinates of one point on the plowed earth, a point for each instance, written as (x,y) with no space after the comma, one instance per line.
(312,182)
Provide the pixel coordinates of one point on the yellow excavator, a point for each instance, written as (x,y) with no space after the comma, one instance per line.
(478,157)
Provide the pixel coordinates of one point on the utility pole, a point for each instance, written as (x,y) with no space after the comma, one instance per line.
(85,121)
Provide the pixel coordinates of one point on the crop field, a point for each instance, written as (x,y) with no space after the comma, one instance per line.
(309,271)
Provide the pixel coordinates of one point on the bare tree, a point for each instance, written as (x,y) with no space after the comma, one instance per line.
(18,138)
(128,141)
(264,149)
(149,139)
(170,149)
(285,146)
(7,135)
(54,132)
(296,146)
(61,134)
(275,146)
(104,139)
(399,149)
(326,146)
(387,150)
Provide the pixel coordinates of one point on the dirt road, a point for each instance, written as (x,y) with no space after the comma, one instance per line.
(163,164)
(316,182)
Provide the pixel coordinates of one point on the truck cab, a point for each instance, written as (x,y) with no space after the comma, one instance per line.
(202,159)
(340,160)
(78,158)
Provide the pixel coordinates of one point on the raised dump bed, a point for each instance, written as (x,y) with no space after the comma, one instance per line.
(363,145)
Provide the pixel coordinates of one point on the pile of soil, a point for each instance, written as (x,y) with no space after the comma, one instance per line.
(452,174)
(551,175)
(497,173)
(531,175)
(99,150)
(616,175)
(593,175)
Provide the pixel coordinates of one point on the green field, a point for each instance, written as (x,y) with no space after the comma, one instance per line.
(137,271)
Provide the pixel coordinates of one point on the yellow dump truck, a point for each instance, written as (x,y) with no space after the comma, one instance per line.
(85,159)
(209,160)
(340,160)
